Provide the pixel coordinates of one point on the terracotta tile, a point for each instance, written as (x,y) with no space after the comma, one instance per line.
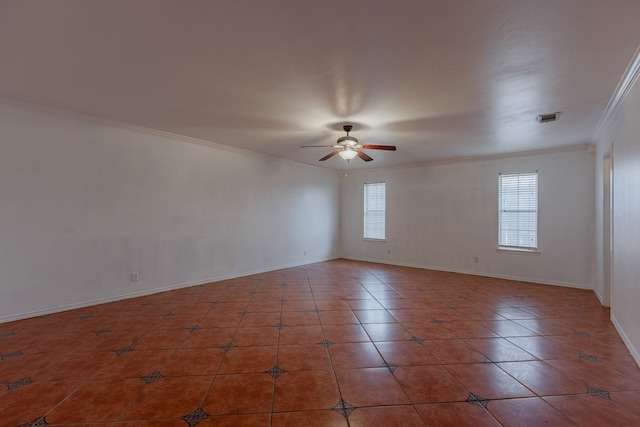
(499,350)
(253,420)
(387,332)
(405,353)
(299,304)
(336,317)
(240,394)
(542,347)
(627,399)
(507,328)
(324,418)
(530,412)
(594,374)
(427,384)
(177,422)
(453,351)
(97,401)
(300,318)
(161,338)
(354,355)
(207,338)
(32,401)
(469,329)
(374,316)
(169,397)
(256,336)
(429,331)
(370,387)
(364,304)
(242,360)
(17,367)
(76,366)
(405,415)
(602,411)
(193,361)
(488,381)
(332,304)
(221,319)
(134,364)
(306,390)
(260,319)
(178,321)
(305,357)
(264,306)
(541,378)
(345,333)
(301,335)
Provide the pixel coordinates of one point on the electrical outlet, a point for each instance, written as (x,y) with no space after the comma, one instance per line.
(135,276)
(475,259)
(305,253)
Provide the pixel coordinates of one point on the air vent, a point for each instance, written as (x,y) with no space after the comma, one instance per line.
(548,118)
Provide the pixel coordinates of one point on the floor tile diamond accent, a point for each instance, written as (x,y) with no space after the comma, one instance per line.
(344,408)
(195,417)
(588,357)
(477,400)
(275,372)
(582,334)
(437,321)
(416,339)
(169,314)
(279,326)
(11,355)
(227,347)
(37,422)
(389,366)
(123,350)
(153,377)
(102,332)
(7,334)
(193,328)
(450,307)
(325,343)
(243,313)
(15,384)
(596,392)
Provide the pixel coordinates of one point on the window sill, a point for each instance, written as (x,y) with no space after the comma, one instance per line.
(374,240)
(521,251)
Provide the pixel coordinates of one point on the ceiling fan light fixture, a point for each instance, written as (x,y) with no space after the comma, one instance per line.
(348,153)
(347,140)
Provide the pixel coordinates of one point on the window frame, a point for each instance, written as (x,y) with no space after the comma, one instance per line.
(368,213)
(503,245)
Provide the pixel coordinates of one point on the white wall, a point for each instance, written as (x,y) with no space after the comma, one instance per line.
(84,203)
(620,133)
(442,216)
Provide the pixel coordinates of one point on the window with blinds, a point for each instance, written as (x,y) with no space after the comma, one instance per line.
(518,210)
(374,210)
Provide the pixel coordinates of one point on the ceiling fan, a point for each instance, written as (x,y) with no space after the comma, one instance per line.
(348,147)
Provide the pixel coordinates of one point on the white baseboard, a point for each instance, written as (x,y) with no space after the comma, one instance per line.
(476,273)
(145,292)
(634,351)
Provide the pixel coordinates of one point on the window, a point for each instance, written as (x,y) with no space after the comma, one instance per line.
(518,210)
(374,210)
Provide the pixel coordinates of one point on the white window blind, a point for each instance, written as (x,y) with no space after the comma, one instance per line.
(374,210)
(518,210)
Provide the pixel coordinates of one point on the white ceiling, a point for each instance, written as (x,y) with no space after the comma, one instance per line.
(438,79)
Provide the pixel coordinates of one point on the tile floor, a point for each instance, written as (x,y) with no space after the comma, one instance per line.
(339,343)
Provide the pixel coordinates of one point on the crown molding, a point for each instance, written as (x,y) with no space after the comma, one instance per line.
(625,85)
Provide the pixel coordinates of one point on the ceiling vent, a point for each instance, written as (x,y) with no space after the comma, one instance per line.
(548,118)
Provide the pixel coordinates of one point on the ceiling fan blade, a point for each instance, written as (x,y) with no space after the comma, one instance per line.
(380,147)
(312,146)
(363,156)
(330,155)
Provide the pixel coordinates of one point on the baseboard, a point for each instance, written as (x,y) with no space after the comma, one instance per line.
(634,351)
(145,292)
(475,273)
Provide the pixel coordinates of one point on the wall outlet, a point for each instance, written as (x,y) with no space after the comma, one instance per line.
(135,276)
(475,259)
(304,253)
